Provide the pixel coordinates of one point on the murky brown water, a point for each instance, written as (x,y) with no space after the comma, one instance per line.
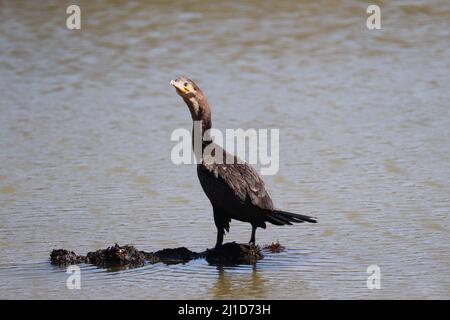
(86,118)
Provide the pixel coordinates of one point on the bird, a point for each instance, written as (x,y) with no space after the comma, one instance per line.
(235,190)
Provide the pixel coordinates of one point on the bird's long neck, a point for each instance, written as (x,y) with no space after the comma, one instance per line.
(201,116)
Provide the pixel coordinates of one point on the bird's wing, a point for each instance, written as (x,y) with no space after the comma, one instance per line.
(238,181)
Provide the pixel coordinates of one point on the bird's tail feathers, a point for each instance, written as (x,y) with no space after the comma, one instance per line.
(279,217)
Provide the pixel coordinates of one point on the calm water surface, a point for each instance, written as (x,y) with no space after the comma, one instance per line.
(86,118)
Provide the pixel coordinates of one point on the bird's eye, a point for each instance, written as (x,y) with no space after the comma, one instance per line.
(185,84)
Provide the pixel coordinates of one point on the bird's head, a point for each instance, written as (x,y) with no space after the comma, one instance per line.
(185,87)
(193,96)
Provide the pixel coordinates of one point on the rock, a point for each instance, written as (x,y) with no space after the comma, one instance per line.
(63,257)
(177,255)
(117,256)
(128,256)
(151,258)
(274,247)
(234,253)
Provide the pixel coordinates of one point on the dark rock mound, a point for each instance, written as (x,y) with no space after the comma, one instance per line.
(233,253)
(117,256)
(177,255)
(128,256)
(274,247)
(151,258)
(63,257)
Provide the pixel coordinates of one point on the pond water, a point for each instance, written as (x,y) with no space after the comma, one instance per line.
(86,118)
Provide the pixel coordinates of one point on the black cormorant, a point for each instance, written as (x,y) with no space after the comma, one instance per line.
(236,191)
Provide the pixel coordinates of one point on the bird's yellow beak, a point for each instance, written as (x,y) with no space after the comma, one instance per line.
(180,89)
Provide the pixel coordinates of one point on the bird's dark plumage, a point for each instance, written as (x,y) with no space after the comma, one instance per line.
(236,191)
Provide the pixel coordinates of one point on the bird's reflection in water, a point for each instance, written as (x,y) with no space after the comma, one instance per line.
(239,283)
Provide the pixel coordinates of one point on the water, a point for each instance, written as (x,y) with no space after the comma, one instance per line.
(86,118)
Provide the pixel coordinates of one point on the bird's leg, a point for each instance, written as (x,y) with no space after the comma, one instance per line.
(220,233)
(252,238)
(220,225)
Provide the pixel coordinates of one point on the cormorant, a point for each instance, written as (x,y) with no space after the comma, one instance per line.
(236,191)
